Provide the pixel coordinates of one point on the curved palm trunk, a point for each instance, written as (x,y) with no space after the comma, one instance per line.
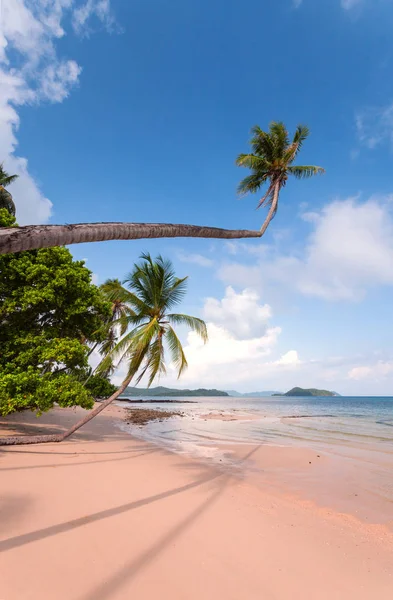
(18,239)
(59,437)
(272,210)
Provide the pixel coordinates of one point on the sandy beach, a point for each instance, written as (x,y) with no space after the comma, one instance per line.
(107,516)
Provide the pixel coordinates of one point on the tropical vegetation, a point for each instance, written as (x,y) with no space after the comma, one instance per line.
(271,163)
(99,387)
(52,318)
(6,200)
(144,330)
(49,312)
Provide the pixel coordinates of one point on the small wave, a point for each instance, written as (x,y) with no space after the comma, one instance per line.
(387,422)
(308,416)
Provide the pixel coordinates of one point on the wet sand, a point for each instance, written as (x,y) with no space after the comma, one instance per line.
(106,516)
(228,416)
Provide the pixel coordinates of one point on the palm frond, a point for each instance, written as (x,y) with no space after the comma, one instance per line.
(109,343)
(251,161)
(175,294)
(114,291)
(105,366)
(122,316)
(279,134)
(156,360)
(126,345)
(142,321)
(268,197)
(136,359)
(176,350)
(121,300)
(193,323)
(138,282)
(131,320)
(5,178)
(303,172)
(262,144)
(251,184)
(139,347)
(301,134)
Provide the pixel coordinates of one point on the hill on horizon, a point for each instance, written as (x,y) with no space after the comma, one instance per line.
(164,391)
(307,392)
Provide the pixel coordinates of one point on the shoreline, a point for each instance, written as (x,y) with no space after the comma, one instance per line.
(120,512)
(324,478)
(337,477)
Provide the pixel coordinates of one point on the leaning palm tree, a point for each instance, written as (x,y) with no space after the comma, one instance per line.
(6,200)
(153,292)
(271,163)
(31,237)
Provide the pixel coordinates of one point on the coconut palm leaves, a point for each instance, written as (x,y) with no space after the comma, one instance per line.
(6,200)
(271,163)
(153,291)
(117,324)
(146,323)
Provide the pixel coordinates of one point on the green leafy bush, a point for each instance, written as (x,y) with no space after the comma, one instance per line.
(49,312)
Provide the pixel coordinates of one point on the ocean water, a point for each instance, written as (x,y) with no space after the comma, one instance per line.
(330,422)
(348,442)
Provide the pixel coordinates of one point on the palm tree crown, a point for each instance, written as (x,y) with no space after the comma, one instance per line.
(117,323)
(6,200)
(153,291)
(271,162)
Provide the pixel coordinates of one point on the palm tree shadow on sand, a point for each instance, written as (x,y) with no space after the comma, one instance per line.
(132,568)
(219,481)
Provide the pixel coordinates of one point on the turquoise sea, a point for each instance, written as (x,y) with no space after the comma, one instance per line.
(352,436)
(360,422)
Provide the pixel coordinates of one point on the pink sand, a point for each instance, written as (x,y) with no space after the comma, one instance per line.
(104,516)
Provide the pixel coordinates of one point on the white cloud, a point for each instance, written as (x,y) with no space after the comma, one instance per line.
(92,8)
(226,360)
(247,360)
(374,372)
(241,314)
(235,248)
(374,126)
(346,4)
(241,341)
(349,251)
(310,217)
(31,72)
(290,358)
(196,259)
(349,4)
(57,80)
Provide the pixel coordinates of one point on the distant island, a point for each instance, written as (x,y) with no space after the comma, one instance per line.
(302,392)
(164,391)
(161,391)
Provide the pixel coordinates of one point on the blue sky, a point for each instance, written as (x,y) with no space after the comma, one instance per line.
(136,111)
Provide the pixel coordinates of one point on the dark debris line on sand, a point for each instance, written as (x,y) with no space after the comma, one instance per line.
(142,416)
(156,401)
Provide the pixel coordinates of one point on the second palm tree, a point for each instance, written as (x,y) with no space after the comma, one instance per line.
(146,320)
(271,163)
